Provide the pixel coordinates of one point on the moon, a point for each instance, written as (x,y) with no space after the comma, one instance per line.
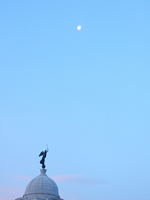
(79,28)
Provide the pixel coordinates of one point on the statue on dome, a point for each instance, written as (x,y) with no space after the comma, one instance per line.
(43,153)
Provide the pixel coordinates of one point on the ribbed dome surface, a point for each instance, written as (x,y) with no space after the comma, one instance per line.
(42,185)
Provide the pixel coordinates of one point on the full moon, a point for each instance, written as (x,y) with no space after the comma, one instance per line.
(79,28)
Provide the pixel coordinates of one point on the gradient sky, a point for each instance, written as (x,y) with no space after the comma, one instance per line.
(84,93)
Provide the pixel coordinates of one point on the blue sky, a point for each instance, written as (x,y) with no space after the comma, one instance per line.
(84,93)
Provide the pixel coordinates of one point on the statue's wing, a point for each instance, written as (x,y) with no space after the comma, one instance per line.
(41,154)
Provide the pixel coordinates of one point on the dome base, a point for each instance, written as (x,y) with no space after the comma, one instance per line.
(36,198)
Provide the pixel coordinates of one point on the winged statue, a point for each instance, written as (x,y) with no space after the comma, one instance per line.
(43,154)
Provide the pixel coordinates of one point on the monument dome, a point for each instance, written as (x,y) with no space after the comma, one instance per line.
(41,187)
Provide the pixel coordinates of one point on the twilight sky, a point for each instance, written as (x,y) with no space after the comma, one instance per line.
(84,93)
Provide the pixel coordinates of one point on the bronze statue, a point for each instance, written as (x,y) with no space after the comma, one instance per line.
(43,153)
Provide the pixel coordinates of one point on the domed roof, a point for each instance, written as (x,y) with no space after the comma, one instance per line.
(42,186)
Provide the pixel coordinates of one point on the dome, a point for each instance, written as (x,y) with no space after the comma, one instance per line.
(42,187)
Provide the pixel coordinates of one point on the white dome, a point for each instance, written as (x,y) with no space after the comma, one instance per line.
(42,187)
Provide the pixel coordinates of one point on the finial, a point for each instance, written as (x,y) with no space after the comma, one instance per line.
(43,153)
(43,171)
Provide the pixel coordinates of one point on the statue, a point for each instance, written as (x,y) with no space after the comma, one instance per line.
(43,153)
